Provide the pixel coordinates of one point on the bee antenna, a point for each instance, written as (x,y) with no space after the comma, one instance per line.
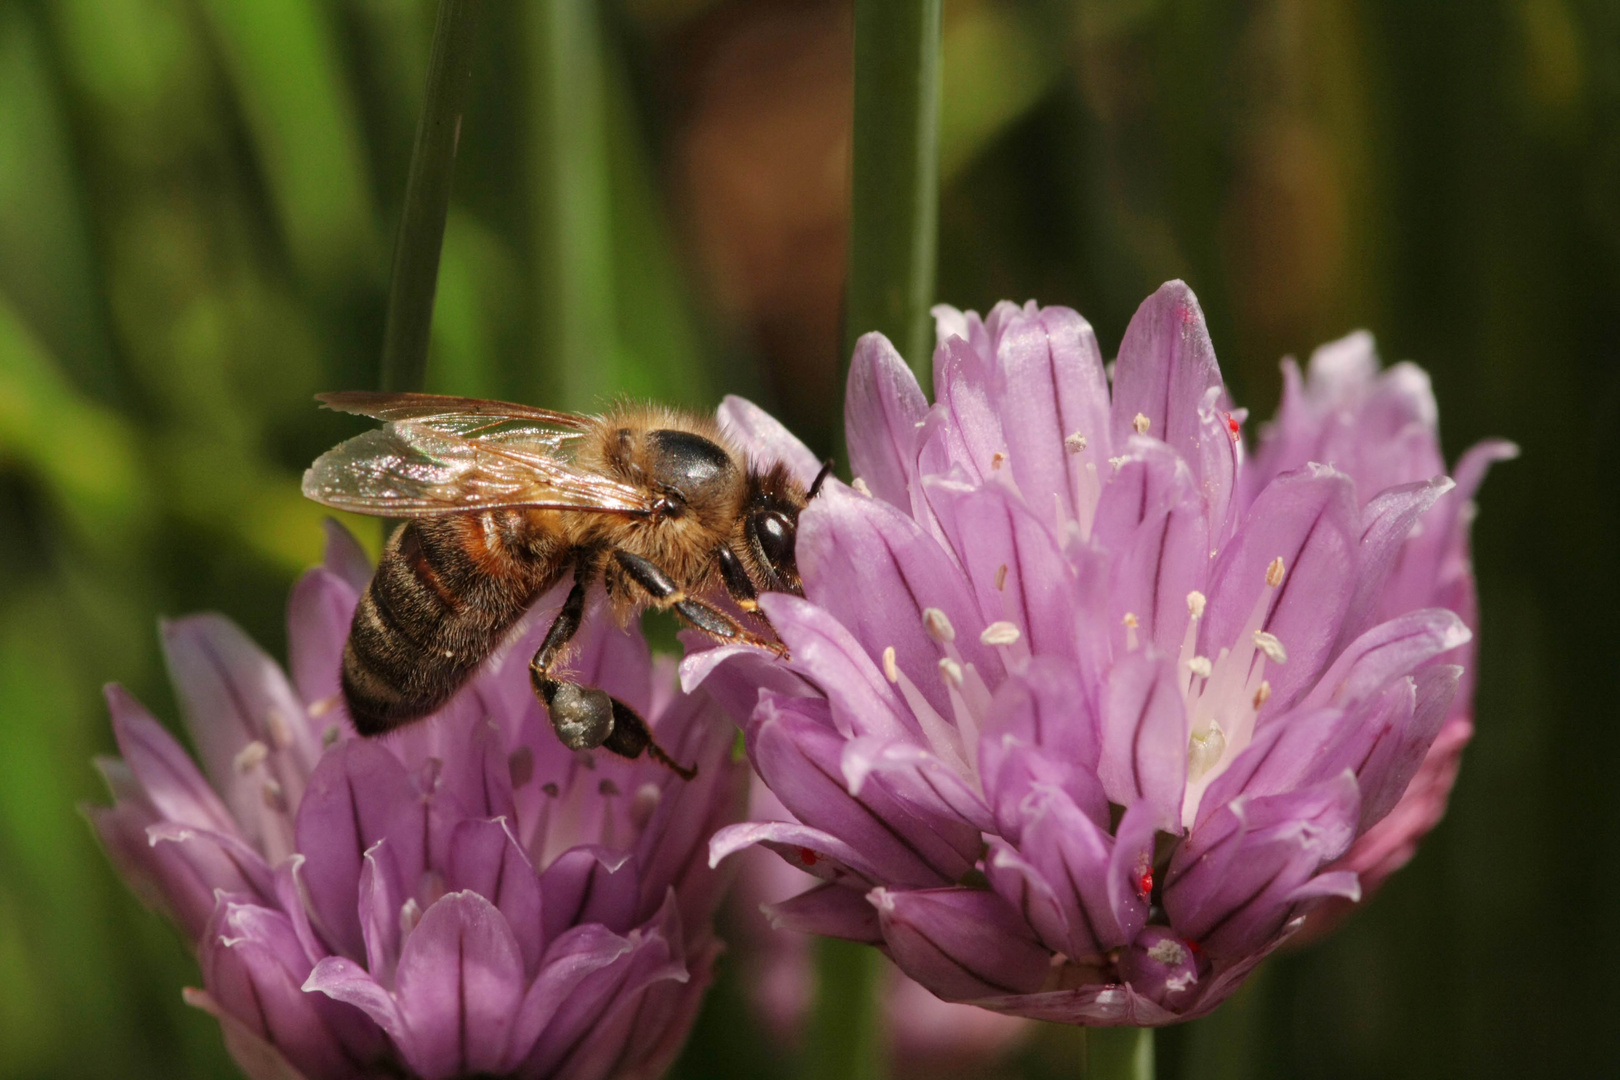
(821,477)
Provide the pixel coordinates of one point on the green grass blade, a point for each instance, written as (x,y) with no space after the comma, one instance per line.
(427,198)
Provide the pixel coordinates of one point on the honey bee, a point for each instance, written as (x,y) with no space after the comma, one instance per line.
(502,500)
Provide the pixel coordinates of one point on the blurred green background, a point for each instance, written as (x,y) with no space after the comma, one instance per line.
(197,205)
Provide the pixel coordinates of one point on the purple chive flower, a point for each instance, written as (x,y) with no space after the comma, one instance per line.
(1087,709)
(923,1033)
(464,897)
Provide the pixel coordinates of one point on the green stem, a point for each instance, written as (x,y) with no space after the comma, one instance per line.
(1119,1053)
(894,210)
(846,1036)
(576,344)
(427,198)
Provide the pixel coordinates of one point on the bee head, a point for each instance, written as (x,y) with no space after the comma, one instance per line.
(772,526)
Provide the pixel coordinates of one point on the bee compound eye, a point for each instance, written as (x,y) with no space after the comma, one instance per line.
(775,534)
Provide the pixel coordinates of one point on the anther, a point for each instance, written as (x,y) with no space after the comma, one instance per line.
(1200,666)
(607,788)
(1274,572)
(410,913)
(280,733)
(951,670)
(1116,462)
(1001,577)
(1268,644)
(997,460)
(1130,621)
(1195,604)
(1204,752)
(551,789)
(330,736)
(274,797)
(1262,695)
(938,625)
(891,671)
(1141,423)
(320,708)
(860,485)
(1075,443)
(1000,633)
(250,757)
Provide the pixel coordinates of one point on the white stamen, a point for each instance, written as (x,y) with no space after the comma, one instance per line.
(890,670)
(1000,633)
(643,803)
(276,724)
(274,797)
(1141,423)
(250,757)
(938,625)
(1001,577)
(1204,752)
(1086,501)
(1268,644)
(410,913)
(320,708)
(944,740)
(860,485)
(1222,709)
(1131,624)
(1075,443)
(952,671)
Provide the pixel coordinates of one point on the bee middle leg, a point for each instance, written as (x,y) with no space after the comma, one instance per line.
(705,617)
(583,716)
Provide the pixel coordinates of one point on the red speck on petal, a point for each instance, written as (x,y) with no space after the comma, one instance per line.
(1233,428)
(808,857)
(1144,884)
(1194,946)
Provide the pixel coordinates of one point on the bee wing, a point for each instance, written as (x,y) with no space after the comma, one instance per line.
(442,409)
(422,467)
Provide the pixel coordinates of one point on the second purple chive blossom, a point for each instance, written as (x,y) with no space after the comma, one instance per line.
(1088,709)
(464,897)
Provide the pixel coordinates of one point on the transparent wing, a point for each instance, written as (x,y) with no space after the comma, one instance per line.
(453,462)
(437,409)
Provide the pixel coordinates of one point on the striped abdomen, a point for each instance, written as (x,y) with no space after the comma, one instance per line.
(445,591)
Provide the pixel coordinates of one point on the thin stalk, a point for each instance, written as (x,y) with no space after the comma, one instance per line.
(427,198)
(1119,1053)
(894,209)
(846,1030)
(577,360)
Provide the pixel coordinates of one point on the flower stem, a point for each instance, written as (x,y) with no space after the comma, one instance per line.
(894,212)
(846,1037)
(427,198)
(577,361)
(1119,1053)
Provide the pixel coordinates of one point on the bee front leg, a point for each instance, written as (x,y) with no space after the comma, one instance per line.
(583,716)
(705,617)
(739,585)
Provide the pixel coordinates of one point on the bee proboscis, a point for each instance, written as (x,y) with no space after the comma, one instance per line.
(502,500)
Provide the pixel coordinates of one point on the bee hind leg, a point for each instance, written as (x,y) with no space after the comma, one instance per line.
(583,716)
